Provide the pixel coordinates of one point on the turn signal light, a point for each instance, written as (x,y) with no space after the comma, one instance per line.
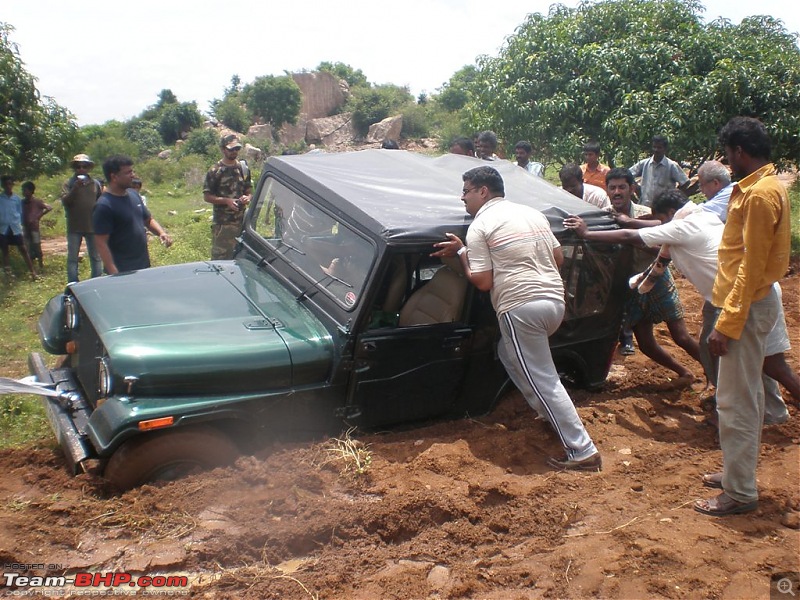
(72,347)
(156,423)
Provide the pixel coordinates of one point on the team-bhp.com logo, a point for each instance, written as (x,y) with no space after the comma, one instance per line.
(51,585)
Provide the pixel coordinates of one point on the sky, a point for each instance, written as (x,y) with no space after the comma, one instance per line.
(105,60)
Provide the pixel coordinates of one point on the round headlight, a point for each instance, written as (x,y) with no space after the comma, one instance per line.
(105,382)
(70,313)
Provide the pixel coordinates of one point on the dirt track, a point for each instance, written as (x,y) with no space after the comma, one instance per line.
(465,509)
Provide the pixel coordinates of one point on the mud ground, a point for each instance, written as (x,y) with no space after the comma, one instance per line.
(464,509)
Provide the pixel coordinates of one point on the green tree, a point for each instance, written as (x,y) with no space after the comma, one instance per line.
(36,134)
(354,77)
(204,142)
(176,120)
(373,104)
(621,72)
(165,97)
(275,100)
(454,94)
(145,135)
(230,112)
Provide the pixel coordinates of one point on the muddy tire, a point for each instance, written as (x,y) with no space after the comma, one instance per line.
(168,455)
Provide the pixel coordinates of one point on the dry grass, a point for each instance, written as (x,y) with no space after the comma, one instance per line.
(350,456)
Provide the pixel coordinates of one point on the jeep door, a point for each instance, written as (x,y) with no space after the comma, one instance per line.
(413,368)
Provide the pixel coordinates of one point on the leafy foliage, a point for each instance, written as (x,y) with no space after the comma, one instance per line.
(230,112)
(176,120)
(204,142)
(276,100)
(455,93)
(621,72)
(373,104)
(145,135)
(36,134)
(354,77)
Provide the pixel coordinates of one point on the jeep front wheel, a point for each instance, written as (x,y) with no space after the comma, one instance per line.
(168,455)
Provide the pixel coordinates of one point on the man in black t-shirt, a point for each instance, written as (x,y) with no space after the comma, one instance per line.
(121,221)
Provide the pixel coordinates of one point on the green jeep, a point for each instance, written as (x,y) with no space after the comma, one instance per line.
(332,312)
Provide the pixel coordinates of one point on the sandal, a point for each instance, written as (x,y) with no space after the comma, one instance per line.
(713,480)
(723,505)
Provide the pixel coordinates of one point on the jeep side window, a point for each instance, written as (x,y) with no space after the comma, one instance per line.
(587,273)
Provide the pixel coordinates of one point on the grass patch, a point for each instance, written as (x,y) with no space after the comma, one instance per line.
(177,203)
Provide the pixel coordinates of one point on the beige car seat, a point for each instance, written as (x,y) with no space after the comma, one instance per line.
(438,301)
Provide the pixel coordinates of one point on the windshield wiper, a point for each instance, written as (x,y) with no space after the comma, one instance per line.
(304,293)
(290,247)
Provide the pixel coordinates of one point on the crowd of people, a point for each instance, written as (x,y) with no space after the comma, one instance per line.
(734,249)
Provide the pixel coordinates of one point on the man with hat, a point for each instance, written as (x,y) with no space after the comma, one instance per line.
(79,195)
(228,188)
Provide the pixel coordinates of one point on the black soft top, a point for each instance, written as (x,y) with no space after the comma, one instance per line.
(404,196)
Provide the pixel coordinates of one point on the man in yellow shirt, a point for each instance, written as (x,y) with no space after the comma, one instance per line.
(753,254)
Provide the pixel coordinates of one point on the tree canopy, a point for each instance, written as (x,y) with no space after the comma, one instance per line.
(36,134)
(621,72)
(276,100)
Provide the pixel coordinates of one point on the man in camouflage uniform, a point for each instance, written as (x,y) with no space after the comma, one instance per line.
(228,188)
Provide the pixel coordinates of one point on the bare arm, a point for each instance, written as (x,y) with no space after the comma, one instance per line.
(156,229)
(617,236)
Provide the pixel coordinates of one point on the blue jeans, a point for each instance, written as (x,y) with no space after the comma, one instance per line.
(73,249)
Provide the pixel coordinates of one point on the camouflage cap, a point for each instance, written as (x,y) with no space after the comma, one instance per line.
(82,159)
(230,142)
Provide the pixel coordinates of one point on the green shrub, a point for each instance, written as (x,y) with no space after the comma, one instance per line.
(371,105)
(102,147)
(231,113)
(416,121)
(145,135)
(204,142)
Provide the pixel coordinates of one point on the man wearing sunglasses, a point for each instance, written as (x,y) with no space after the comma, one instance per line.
(79,196)
(512,253)
(227,187)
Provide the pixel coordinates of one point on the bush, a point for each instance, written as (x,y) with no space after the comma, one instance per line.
(145,135)
(371,105)
(276,100)
(175,120)
(102,147)
(201,141)
(231,113)
(416,121)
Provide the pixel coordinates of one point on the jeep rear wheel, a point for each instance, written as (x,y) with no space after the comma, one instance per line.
(168,455)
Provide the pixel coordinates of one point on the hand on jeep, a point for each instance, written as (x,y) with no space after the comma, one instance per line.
(448,248)
(577,225)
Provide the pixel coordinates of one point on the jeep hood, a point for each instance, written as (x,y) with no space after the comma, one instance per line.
(208,327)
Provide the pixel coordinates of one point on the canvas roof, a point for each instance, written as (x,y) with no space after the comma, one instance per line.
(402,195)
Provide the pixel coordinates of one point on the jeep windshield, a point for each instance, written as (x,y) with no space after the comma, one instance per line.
(331,256)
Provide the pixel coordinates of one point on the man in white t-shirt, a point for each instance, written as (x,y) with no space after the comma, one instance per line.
(512,253)
(693,239)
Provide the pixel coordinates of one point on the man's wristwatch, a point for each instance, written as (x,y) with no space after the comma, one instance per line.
(461,250)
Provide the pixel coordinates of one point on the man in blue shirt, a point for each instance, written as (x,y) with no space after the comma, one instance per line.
(11,225)
(658,172)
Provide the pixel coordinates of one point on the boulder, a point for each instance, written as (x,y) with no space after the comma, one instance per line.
(290,135)
(165,154)
(322,92)
(260,133)
(331,130)
(389,128)
(252,154)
